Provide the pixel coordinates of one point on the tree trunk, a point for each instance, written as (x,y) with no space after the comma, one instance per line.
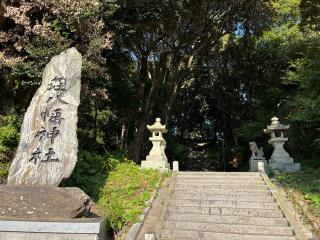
(144,114)
(95,125)
(138,140)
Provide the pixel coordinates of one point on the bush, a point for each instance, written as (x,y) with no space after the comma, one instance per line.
(9,137)
(123,197)
(92,170)
(9,133)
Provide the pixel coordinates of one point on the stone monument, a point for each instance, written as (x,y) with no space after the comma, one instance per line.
(157,158)
(48,146)
(280,159)
(256,157)
(32,206)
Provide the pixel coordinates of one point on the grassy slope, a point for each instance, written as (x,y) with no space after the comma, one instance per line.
(124,195)
(304,189)
(118,186)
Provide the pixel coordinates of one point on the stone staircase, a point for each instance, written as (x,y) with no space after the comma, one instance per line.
(223,206)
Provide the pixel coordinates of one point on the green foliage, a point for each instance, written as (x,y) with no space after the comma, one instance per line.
(310,12)
(4,171)
(306,181)
(123,197)
(9,137)
(181,154)
(9,132)
(40,50)
(92,170)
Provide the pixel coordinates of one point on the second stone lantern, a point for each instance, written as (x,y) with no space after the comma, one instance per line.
(157,158)
(280,159)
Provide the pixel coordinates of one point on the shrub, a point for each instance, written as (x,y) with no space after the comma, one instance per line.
(92,170)
(123,197)
(9,133)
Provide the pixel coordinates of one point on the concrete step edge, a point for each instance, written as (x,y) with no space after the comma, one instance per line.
(232,228)
(192,235)
(264,192)
(222,182)
(202,203)
(252,198)
(218,173)
(225,211)
(224,219)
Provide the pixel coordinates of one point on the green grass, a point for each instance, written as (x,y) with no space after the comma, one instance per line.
(92,170)
(306,181)
(4,170)
(123,197)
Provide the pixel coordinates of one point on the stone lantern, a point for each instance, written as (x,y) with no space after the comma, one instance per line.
(280,159)
(157,158)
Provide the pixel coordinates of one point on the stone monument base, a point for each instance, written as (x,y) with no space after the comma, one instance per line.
(156,162)
(48,213)
(254,164)
(75,229)
(285,167)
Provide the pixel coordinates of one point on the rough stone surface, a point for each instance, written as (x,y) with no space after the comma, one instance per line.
(286,167)
(150,236)
(237,211)
(254,164)
(47,202)
(48,146)
(75,229)
(255,151)
(46,236)
(280,159)
(157,158)
(175,166)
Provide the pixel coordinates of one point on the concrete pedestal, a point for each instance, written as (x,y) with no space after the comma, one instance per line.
(156,162)
(254,163)
(75,229)
(280,159)
(285,167)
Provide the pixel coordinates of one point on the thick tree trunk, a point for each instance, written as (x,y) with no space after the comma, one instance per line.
(171,102)
(139,139)
(144,114)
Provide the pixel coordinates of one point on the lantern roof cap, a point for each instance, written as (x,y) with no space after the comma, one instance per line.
(157,126)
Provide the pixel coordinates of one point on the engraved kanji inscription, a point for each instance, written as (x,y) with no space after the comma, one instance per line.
(41,134)
(53,134)
(36,156)
(57,83)
(56,116)
(49,155)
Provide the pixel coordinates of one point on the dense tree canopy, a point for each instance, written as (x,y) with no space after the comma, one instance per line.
(210,69)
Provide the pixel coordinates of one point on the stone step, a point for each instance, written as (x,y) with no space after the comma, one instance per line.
(231,197)
(221,177)
(195,235)
(205,218)
(223,181)
(238,192)
(220,186)
(219,173)
(223,203)
(228,228)
(244,212)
